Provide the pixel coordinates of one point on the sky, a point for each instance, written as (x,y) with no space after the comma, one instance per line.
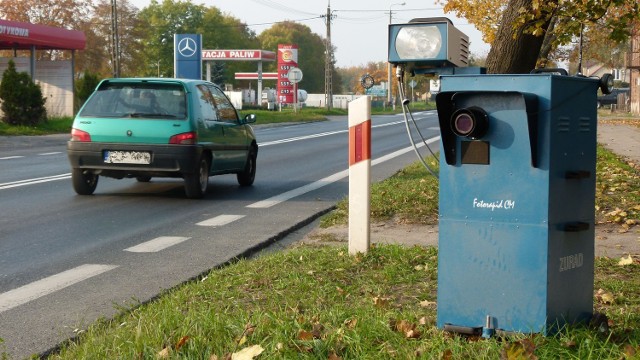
(358,29)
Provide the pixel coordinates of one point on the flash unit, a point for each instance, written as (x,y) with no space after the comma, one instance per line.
(428,42)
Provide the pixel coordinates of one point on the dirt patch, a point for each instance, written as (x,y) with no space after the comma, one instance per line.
(610,241)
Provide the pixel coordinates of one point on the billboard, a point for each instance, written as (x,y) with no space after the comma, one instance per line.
(287,59)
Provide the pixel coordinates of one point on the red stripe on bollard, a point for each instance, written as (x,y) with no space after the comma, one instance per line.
(360,142)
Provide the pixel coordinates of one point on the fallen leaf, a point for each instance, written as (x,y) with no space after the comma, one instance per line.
(305,335)
(164,353)
(351,323)
(333,356)
(407,328)
(317,331)
(626,261)
(520,350)
(380,301)
(242,340)
(247,353)
(630,351)
(182,342)
(427,303)
(604,297)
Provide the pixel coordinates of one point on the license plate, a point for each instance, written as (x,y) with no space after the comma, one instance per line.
(127,157)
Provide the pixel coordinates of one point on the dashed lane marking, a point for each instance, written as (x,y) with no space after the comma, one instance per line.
(220,220)
(46,286)
(10,157)
(34,181)
(157,244)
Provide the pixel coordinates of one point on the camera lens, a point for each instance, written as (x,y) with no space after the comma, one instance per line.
(463,124)
(472,122)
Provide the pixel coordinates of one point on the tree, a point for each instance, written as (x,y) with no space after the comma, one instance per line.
(85,86)
(163,21)
(522,32)
(221,31)
(311,55)
(22,101)
(58,13)
(96,58)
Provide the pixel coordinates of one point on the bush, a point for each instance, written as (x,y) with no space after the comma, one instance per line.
(22,101)
(85,86)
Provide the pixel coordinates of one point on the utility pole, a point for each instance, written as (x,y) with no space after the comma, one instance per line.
(328,62)
(115,40)
(389,87)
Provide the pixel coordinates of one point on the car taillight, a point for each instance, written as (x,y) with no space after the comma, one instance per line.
(188,138)
(79,135)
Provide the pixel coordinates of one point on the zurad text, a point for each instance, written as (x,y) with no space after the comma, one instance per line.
(571,262)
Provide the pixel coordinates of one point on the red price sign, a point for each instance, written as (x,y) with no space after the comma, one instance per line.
(287,59)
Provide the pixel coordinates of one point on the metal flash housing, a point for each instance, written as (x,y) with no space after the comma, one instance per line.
(428,43)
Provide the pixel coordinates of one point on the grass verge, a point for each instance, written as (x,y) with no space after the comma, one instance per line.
(320,303)
(58,125)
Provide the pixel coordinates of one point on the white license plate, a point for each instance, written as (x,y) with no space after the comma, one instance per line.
(127,157)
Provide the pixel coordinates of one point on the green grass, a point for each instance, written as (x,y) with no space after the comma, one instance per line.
(409,196)
(51,126)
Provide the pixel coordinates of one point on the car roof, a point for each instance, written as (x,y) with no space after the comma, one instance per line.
(159,80)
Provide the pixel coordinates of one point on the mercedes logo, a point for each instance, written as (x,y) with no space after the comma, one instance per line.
(187,47)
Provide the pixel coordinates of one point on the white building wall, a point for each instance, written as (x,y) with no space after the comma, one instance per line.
(55,79)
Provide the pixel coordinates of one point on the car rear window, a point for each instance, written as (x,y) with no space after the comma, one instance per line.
(137,100)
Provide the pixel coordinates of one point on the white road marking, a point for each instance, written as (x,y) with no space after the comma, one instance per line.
(10,157)
(157,244)
(275,200)
(34,181)
(298,138)
(50,153)
(220,220)
(46,286)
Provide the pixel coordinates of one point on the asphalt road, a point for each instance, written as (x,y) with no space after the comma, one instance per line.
(66,260)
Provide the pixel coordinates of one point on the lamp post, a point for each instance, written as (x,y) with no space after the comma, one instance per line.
(389,87)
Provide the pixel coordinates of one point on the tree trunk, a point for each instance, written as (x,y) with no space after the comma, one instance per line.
(512,51)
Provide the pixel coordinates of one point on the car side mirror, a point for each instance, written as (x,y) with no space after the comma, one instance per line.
(250,118)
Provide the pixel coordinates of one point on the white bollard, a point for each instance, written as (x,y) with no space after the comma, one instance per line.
(359,175)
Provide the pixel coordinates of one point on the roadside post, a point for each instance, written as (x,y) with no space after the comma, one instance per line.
(517,187)
(359,175)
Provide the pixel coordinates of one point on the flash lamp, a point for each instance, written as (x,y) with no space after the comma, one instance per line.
(472,122)
(428,42)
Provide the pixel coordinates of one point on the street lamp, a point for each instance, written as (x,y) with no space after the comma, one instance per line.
(389,87)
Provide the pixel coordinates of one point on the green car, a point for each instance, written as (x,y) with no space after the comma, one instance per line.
(146,127)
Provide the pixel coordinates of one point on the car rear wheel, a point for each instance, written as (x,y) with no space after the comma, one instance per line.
(248,175)
(195,184)
(84,182)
